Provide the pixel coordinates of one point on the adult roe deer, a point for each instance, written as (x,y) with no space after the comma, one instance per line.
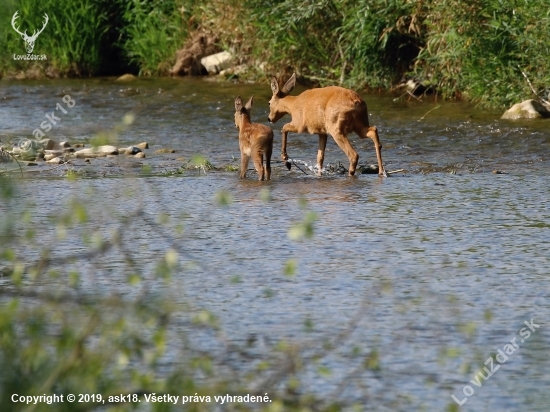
(329,110)
(255,140)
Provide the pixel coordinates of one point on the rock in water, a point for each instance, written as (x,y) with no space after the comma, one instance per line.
(529,109)
(99,151)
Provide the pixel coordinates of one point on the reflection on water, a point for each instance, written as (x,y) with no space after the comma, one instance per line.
(418,256)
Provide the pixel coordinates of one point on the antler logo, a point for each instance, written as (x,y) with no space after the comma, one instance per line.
(29,40)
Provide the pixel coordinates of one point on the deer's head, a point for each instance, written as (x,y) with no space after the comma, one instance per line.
(275,109)
(242,112)
(29,40)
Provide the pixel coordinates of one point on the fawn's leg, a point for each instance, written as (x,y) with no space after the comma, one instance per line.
(244,165)
(258,160)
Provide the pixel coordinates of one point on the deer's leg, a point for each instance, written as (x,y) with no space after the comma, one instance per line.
(258,160)
(244,164)
(284,156)
(373,134)
(344,144)
(321,151)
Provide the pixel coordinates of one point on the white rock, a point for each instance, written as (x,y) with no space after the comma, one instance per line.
(99,151)
(529,109)
(49,157)
(217,62)
(55,161)
(126,78)
(130,150)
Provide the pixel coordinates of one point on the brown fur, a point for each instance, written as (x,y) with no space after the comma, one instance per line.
(329,110)
(255,140)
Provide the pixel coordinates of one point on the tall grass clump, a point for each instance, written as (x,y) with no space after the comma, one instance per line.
(297,34)
(379,40)
(478,50)
(475,50)
(357,44)
(152,32)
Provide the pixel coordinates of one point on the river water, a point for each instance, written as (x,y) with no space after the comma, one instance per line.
(422,275)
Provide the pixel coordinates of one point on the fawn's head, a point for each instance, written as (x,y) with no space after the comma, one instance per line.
(275,109)
(242,112)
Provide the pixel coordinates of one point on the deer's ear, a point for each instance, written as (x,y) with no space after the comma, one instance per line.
(289,85)
(248,104)
(238,104)
(274,85)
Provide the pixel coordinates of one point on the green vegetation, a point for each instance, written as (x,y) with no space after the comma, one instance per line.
(152,32)
(474,50)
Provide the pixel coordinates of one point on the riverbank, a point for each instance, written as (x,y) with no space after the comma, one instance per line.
(473,52)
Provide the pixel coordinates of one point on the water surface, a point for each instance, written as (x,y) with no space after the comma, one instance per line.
(446,258)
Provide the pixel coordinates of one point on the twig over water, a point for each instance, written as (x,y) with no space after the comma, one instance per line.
(296,164)
(428,112)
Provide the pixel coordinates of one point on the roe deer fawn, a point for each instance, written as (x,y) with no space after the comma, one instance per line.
(255,140)
(329,110)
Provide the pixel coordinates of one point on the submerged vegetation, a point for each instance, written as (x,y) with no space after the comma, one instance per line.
(476,50)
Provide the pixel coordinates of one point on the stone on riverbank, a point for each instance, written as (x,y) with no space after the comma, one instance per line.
(188,59)
(99,151)
(47,144)
(131,150)
(215,63)
(529,109)
(51,154)
(55,161)
(126,78)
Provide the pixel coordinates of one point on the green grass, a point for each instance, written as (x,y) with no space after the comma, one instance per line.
(474,50)
(153,31)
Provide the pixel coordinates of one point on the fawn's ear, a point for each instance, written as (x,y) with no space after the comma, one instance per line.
(289,85)
(238,104)
(274,85)
(248,104)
